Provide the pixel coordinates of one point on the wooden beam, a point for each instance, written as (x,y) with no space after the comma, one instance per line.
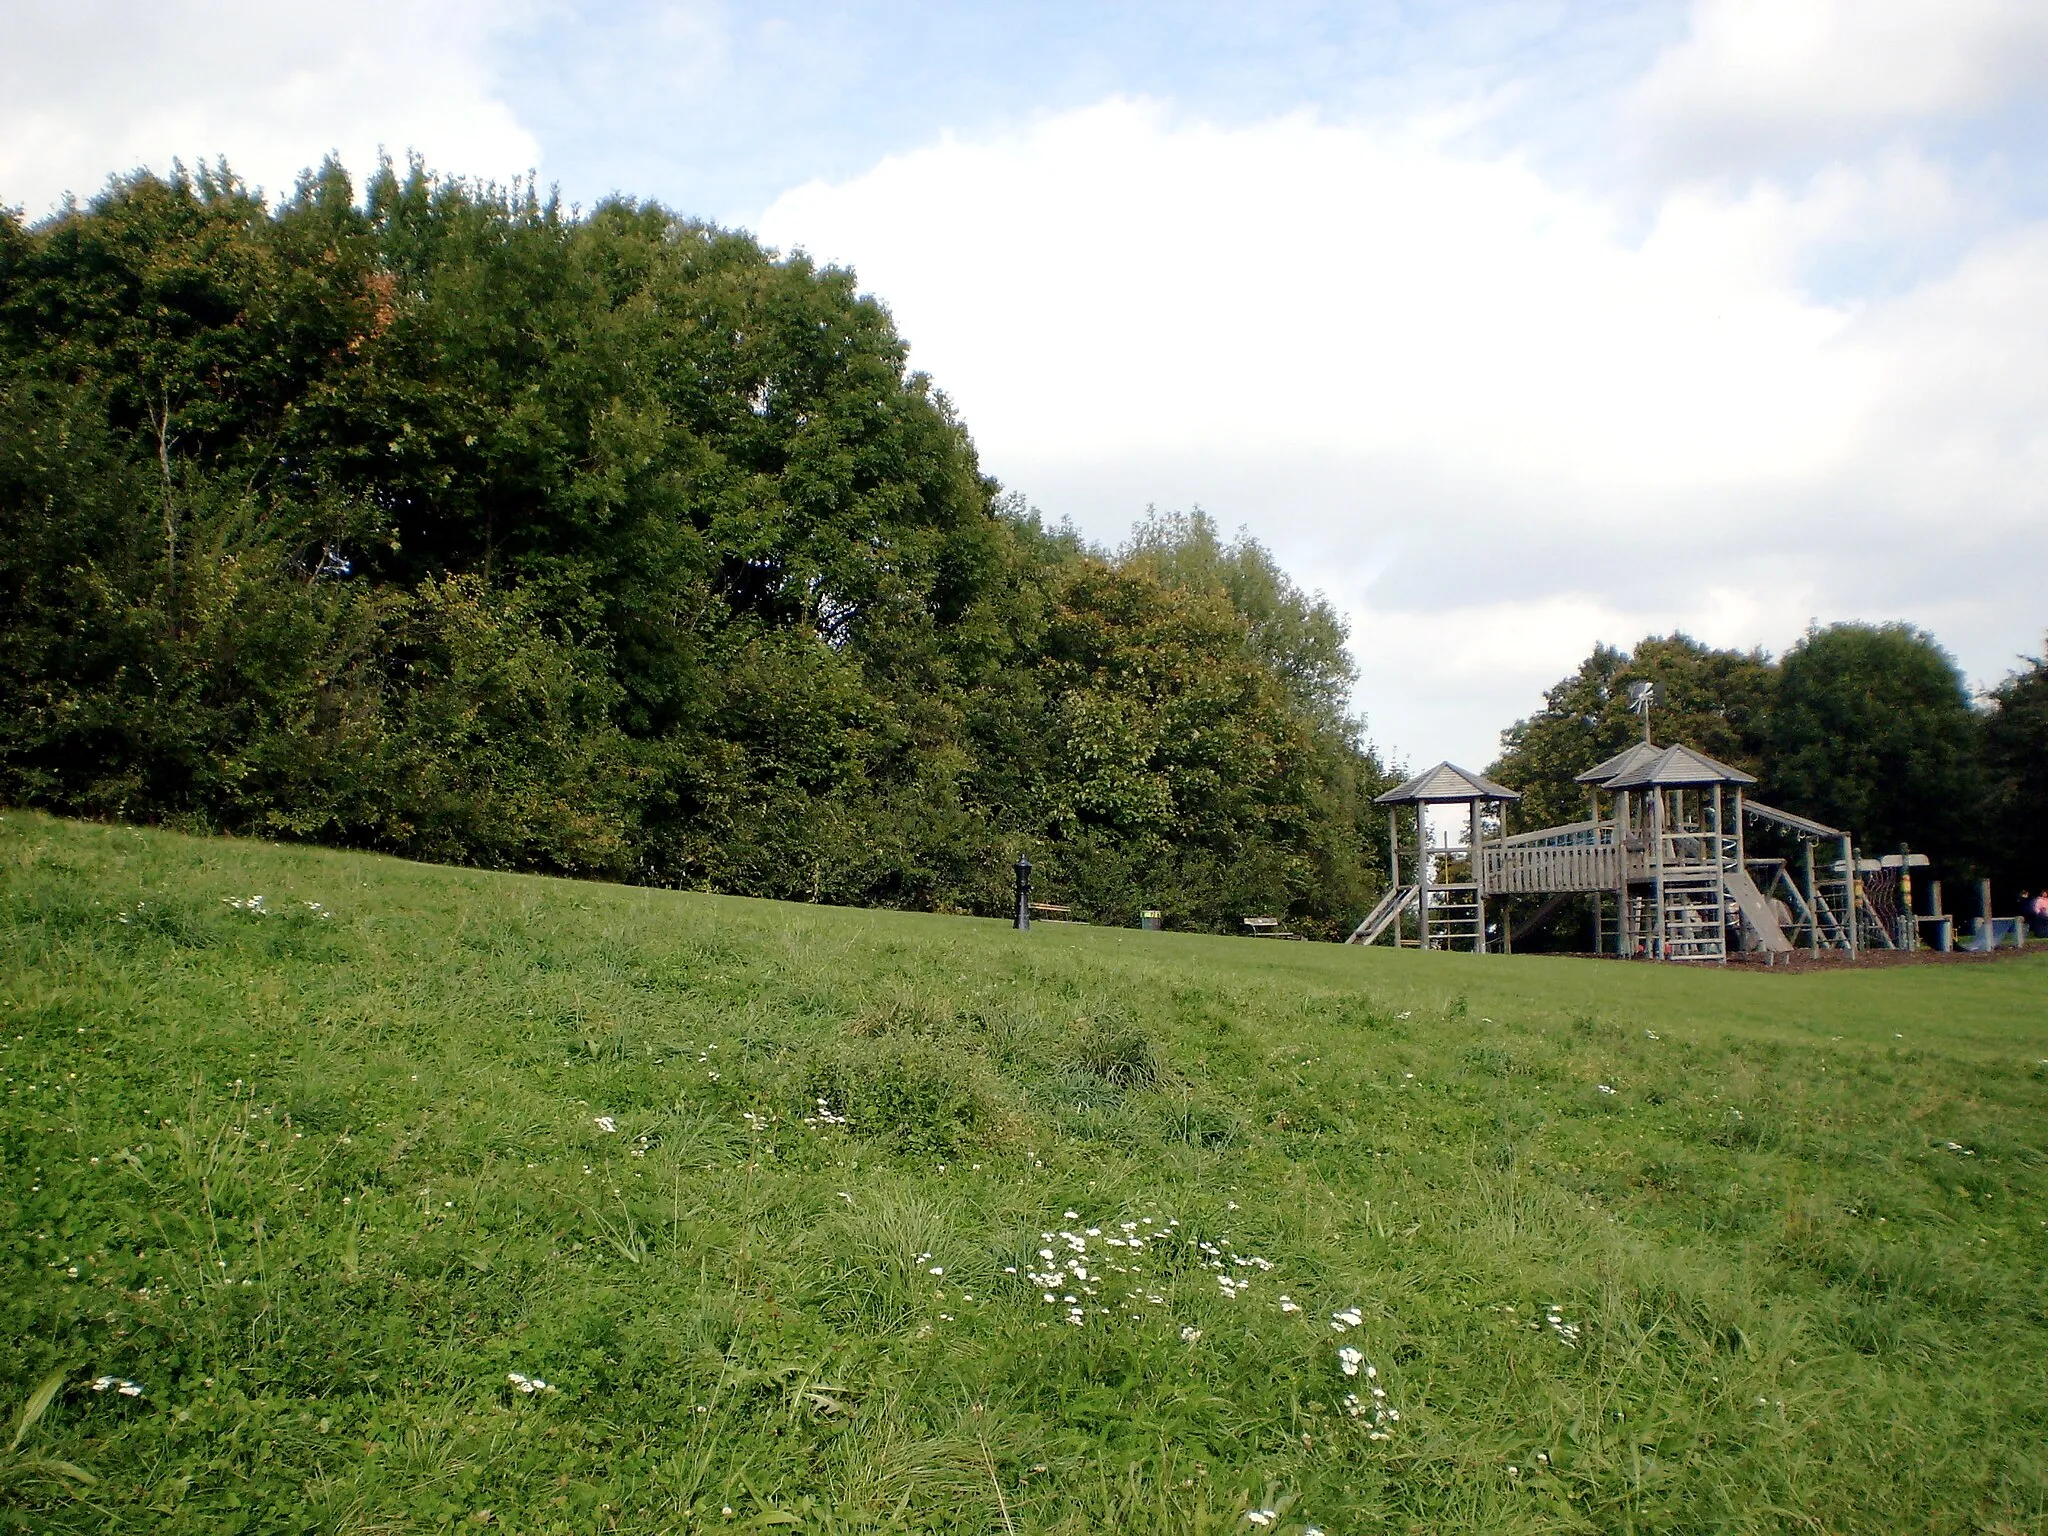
(1421,875)
(1658,810)
(1478,885)
(1812,902)
(1849,875)
(1721,864)
(1394,862)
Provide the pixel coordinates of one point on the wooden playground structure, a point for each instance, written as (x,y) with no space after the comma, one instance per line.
(1662,857)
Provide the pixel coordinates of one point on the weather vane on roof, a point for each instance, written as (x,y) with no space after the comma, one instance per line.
(1640,697)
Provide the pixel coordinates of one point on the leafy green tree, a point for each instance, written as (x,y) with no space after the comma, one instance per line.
(2016,742)
(1715,701)
(1873,730)
(1301,637)
(444,521)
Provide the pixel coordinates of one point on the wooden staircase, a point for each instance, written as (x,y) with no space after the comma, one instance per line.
(1377,920)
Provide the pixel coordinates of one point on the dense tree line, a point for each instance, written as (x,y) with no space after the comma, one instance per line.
(444,521)
(1867,727)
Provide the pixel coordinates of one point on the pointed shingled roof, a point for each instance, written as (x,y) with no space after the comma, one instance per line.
(1624,761)
(1679,765)
(1445,782)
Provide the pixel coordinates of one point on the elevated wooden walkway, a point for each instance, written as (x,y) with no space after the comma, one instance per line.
(1582,856)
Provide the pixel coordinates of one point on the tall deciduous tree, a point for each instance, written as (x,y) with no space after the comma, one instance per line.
(1873,730)
(2016,740)
(1300,635)
(1716,701)
(448,522)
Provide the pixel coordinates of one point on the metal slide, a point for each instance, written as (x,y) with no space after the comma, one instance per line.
(1756,911)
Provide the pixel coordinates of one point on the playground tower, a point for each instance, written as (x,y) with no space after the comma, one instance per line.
(1662,858)
(1677,815)
(1444,896)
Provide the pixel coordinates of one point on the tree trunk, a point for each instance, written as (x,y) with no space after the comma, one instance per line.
(160,420)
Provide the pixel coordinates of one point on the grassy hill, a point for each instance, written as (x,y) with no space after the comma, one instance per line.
(326,1153)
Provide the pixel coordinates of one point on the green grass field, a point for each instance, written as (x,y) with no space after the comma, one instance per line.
(772,1198)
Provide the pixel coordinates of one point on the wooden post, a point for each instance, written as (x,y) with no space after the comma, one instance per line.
(1657,809)
(1721,869)
(1741,833)
(1421,875)
(1812,904)
(1593,798)
(1849,886)
(1621,914)
(1984,914)
(1909,931)
(1478,885)
(1394,863)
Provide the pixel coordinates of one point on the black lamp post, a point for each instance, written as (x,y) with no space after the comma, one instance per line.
(1023,893)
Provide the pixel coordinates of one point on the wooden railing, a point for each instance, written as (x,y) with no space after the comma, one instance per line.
(1561,859)
(1515,870)
(1571,834)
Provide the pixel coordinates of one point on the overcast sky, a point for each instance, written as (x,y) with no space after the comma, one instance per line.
(1511,326)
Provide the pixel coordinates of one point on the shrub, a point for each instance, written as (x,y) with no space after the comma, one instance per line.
(923,1095)
(1121,1054)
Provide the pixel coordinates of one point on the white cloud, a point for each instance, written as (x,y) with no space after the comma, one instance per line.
(90,89)
(1491,417)
(1484,665)
(1297,282)
(1496,416)
(1970,407)
(1757,77)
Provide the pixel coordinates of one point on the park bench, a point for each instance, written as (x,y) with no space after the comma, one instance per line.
(1268,928)
(1052,912)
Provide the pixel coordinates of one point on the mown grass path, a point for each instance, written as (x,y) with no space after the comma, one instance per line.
(772,1199)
